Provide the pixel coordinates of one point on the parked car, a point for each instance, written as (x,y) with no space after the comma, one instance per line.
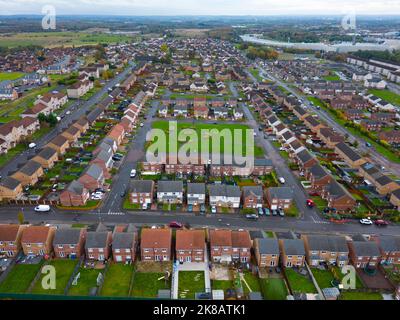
(202,208)
(213,209)
(274,212)
(282,180)
(175,224)
(260,211)
(367,221)
(133,173)
(267,212)
(381,223)
(42,208)
(251,217)
(281,212)
(310,203)
(190,208)
(123,194)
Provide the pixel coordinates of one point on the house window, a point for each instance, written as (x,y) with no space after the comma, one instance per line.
(72,246)
(117,250)
(101,250)
(60,246)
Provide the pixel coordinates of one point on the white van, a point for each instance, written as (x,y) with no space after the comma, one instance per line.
(282,180)
(42,208)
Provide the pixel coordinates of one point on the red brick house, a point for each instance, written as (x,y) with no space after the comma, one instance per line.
(389,247)
(75,195)
(92,178)
(229,246)
(37,240)
(69,243)
(318,177)
(155,244)
(10,239)
(124,244)
(364,253)
(190,245)
(98,244)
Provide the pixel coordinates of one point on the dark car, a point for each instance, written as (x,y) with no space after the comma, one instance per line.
(381,223)
(176,225)
(123,194)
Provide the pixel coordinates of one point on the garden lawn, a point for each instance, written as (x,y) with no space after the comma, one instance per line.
(190,282)
(299,283)
(20,278)
(222,285)
(323,277)
(252,281)
(237,147)
(64,270)
(273,289)
(351,295)
(86,281)
(10,75)
(117,280)
(146,284)
(386,95)
(339,274)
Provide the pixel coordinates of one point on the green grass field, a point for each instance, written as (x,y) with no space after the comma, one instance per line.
(349,295)
(86,281)
(146,284)
(273,289)
(64,270)
(117,280)
(10,75)
(323,277)
(20,278)
(386,95)
(252,281)
(190,282)
(55,39)
(222,285)
(299,283)
(237,131)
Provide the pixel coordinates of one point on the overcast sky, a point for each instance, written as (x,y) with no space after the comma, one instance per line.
(202,7)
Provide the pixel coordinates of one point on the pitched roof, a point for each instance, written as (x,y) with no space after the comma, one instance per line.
(123,240)
(67,236)
(349,152)
(142,186)
(190,239)
(96,239)
(294,247)
(221,238)
(268,246)
(281,193)
(241,239)
(35,234)
(327,243)
(156,238)
(8,232)
(196,188)
(170,186)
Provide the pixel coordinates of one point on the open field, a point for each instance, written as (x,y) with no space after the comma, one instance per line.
(190,283)
(191,33)
(146,284)
(20,278)
(10,75)
(386,95)
(55,39)
(236,147)
(64,270)
(117,280)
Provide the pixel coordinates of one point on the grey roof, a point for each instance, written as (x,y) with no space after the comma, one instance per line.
(349,152)
(256,190)
(10,183)
(268,246)
(94,171)
(390,243)
(30,167)
(123,240)
(142,186)
(262,162)
(281,193)
(336,190)
(256,234)
(76,187)
(366,248)
(318,171)
(196,188)
(293,247)
(170,186)
(104,155)
(224,190)
(304,156)
(47,153)
(67,236)
(327,243)
(96,239)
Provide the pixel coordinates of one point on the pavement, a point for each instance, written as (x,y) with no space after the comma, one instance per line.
(77,109)
(373,154)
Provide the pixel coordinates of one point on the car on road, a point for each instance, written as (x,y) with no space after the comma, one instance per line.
(133,173)
(123,194)
(142,125)
(274,213)
(42,208)
(381,223)
(190,208)
(117,158)
(99,190)
(282,180)
(202,208)
(32,145)
(68,113)
(251,217)
(281,212)
(310,203)
(366,221)
(267,212)
(368,145)
(176,225)
(260,211)
(96,197)
(213,209)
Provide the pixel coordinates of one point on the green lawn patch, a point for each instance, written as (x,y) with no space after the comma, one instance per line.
(252,281)
(86,281)
(352,295)
(146,284)
(340,275)
(324,278)
(190,282)
(222,285)
(10,75)
(299,283)
(117,280)
(273,289)
(64,270)
(386,95)
(20,278)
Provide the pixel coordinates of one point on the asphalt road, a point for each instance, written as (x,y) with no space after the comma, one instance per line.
(373,154)
(77,109)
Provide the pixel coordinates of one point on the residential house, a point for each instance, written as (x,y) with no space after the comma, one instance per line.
(280,197)
(60,144)
(47,157)
(155,244)
(390,249)
(338,197)
(292,252)
(364,253)
(92,177)
(37,240)
(98,244)
(351,157)
(318,177)
(305,160)
(29,174)
(124,244)
(10,189)
(267,252)
(69,243)
(196,194)
(10,239)
(190,246)
(74,195)
(222,195)
(170,192)
(142,192)
(72,134)
(253,197)
(228,246)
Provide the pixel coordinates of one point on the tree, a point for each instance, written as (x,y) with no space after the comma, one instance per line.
(21,217)
(164,48)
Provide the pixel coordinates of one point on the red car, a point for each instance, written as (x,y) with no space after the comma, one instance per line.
(314,194)
(176,225)
(381,223)
(310,203)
